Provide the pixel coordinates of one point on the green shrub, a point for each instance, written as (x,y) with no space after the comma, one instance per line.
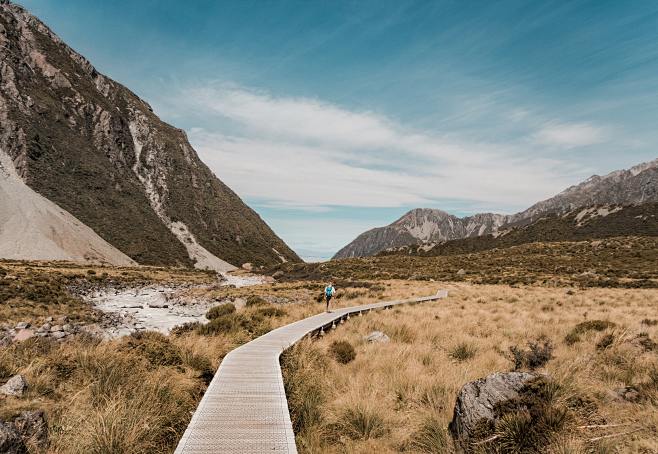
(155,347)
(219,311)
(271,311)
(255,300)
(342,351)
(462,352)
(539,352)
(184,328)
(581,328)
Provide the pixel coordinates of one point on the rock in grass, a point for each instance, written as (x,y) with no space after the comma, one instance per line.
(23,334)
(377,336)
(15,386)
(477,399)
(10,440)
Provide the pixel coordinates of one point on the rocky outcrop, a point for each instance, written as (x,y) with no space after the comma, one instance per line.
(427,228)
(96,150)
(476,403)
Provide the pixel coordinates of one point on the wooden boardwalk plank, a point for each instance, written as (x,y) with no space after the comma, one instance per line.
(244,409)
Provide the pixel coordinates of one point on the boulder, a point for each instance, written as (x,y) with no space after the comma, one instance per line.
(56,328)
(277,274)
(10,440)
(461,272)
(377,336)
(247,266)
(15,386)
(22,325)
(476,401)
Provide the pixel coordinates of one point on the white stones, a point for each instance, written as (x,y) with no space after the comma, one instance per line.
(15,386)
(377,336)
(22,325)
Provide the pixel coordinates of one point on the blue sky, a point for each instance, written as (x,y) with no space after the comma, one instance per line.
(330,118)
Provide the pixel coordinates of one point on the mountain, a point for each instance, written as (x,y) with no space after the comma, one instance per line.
(634,186)
(421,225)
(92,147)
(589,223)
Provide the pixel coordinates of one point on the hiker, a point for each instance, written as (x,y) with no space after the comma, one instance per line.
(329,291)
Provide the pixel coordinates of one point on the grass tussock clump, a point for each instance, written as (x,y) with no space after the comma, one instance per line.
(342,351)
(219,311)
(463,351)
(255,300)
(538,353)
(575,334)
(361,422)
(431,437)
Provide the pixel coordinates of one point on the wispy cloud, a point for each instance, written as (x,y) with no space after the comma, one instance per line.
(306,153)
(570,135)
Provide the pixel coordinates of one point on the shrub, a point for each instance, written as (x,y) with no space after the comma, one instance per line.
(255,300)
(155,347)
(581,328)
(361,423)
(605,342)
(342,351)
(184,328)
(538,354)
(462,352)
(219,311)
(650,322)
(271,311)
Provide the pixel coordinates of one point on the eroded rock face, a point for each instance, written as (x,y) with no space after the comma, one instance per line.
(477,399)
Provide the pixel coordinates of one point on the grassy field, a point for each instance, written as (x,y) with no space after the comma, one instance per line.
(613,262)
(399,396)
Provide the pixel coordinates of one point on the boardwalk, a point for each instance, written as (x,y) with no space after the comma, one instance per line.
(245,409)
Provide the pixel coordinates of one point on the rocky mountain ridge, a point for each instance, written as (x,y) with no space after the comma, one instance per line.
(95,149)
(637,185)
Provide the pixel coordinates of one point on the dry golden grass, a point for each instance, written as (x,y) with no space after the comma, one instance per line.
(400,396)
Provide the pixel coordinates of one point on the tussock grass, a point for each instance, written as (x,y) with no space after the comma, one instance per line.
(411,383)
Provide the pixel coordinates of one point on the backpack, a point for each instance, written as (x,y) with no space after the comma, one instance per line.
(328,291)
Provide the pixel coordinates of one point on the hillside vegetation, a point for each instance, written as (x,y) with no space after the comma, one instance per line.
(612,262)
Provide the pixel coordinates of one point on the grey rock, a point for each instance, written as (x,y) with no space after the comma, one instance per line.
(45,327)
(377,336)
(58,335)
(277,274)
(10,440)
(56,328)
(626,393)
(461,272)
(32,426)
(68,328)
(22,325)
(476,401)
(15,386)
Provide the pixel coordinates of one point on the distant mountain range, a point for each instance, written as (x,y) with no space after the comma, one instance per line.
(425,226)
(90,153)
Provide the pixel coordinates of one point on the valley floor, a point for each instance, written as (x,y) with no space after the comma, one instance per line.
(136,394)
